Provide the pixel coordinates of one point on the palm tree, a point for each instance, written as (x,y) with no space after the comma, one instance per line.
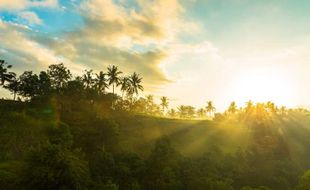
(172,113)
(201,113)
(164,103)
(113,74)
(186,111)
(5,76)
(124,82)
(190,111)
(150,104)
(283,110)
(232,107)
(88,79)
(182,111)
(134,84)
(210,108)
(101,82)
(249,106)
(271,107)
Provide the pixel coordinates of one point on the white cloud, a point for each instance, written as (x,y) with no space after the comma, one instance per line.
(30,17)
(13,4)
(16,5)
(111,34)
(24,51)
(46,3)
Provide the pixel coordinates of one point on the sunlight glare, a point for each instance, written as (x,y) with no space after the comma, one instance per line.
(264,84)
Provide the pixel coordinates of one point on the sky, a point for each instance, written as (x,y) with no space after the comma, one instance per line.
(191,51)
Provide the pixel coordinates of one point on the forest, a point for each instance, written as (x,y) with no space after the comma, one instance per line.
(96,131)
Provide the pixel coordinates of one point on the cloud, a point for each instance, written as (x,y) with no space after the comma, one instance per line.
(15,5)
(21,51)
(30,17)
(136,38)
(113,31)
(46,3)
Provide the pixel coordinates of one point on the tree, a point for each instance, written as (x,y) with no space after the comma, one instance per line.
(29,84)
(101,82)
(44,84)
(304,181)
(249,106)
(150,104)
(186,111)
(201,113)
(164,103)
(113,74)
(182,111)
(5,75)
(54,167)
(59,75)
(75,89)
(124,82)
(190,111)
(88,79)
(134,85)
(232,107)
(271,107)
(210,108)
(283,110)
(161,167)
(13,86)
(172,113)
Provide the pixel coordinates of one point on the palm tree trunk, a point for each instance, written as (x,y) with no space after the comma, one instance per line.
(113,97)
(14,97)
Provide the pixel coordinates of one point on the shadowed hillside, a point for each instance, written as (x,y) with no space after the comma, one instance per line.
(61,132)
(231,153)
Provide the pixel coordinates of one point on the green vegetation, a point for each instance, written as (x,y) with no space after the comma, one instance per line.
(66,132)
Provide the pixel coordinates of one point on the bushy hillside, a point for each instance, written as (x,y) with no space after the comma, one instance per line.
(85,150)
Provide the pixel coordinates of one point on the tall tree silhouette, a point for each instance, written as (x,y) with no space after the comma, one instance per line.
(59,75)
(232,107)
(134,87)
(172,113)
(113,74)
(5,75)
(101,82)
(150,104)
(182,111)
(124,82)
(13,86)
(249,106)
(201,113)
(135,84)
(44,84)
(88,79)
(283,110)
(271,107)
(29,84)
(164,103)
(210,108)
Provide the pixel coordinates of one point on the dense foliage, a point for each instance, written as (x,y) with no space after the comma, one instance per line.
(70,133)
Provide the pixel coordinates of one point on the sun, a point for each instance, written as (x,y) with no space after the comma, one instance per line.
(265,84)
